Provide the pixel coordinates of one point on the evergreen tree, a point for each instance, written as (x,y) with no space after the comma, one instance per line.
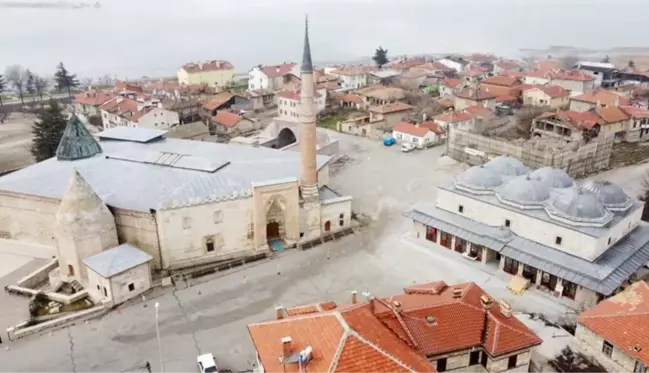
(29,82)
(47,131)
(631,64)
(606,59)
(40,85)
(3,86)
(65,80)
(380,57)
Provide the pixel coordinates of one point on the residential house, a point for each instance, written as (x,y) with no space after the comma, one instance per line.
(455,120)
(574,125)
(474,97)
(502,85)
(353,77)
(366,126)
(576,241)
(553,96)
(638,127)
(605,74)
(380,95)
(271,78)
(413,78)
(220,101)
(537,77)
(431,327)
(383,76)
(404,64)
(506,66)
(216,74)
(415,134)
(390,113)
(473,74)
(288,103)
(456,63)
(448,87)
(436,69)
(575,81)
(190,131)
(626,90)
(260,99)
(351,101)
(124,111)
(618,328)
(480,113)
(124,88)
(598,98)
(88,103)
(227,123)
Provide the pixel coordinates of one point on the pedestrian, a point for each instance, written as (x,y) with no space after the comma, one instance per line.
(148,366)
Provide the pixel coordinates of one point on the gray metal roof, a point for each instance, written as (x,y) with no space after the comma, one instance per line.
(507,166)
(578,206)
(524,190)
(553,177)
(137,134)
(604,275)
(478,178)
(113,261)
(307,64)
(76,142)
(610,194)
(326,193)
(142,186)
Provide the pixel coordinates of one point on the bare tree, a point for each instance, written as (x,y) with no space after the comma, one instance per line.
(529,61)
(87,83)
(17,77)
(40,85)
(106,80)
(524,118)
(569,61)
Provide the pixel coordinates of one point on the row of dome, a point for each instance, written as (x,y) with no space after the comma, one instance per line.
(590,202)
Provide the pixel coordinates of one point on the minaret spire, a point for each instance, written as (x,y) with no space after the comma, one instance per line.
(307,64)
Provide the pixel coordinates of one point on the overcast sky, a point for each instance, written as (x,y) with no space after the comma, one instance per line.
(131,38)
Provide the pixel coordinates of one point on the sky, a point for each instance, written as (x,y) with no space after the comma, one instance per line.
(134,38)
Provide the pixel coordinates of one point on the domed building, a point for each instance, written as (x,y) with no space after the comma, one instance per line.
(578,241)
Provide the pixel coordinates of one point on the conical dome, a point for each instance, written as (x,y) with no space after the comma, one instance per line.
(578,207)
(611,195)
(507,166)
(76,142)
(478,179)
(553,177)
(524,191)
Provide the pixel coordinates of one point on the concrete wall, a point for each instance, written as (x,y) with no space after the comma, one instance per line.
(139,276)
(581,106)
(574,85)
(27,218)
(159,119)
(536,97)
(20,331)
(140,230)
(588,337)
(39,276)
(98,287)
(331,211)
(500,363)
(215,78)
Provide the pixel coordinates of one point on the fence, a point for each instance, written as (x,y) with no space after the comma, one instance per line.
(577,159)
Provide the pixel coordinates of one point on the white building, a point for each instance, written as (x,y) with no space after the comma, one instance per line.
(580,241)
(288,103)
(418,135)
(271,78)
(353,77)
(457,64)
(148,113)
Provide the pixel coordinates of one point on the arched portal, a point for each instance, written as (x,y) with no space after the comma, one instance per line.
(285,137)
(275,219)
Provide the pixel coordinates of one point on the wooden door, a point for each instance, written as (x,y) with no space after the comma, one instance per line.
(272,230)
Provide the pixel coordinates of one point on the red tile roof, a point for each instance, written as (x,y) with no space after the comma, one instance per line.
(390,108)
(481,94)
(635,112)
(217,100)
(226,119)
(451,83)
(394,334)
(547,65)
(126,105)
(603,97)
(352,98)
(405,63)
(623,320)
(611,114)
(207,66)
(354,70)
(435,65)
(295,95)
(278,70)
(501,80)
(577,75)
(473,71)
(411,129)
(92,98)
(454,117)
(515,74)
(480,112)
(433,127)
(508,65)
(554,91)
(124,86)
(479,57)
(578,120)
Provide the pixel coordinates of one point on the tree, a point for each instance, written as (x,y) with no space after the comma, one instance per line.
(48,131)
(87,83)
(631,64)
(524,118)
(3,87)
(606,59)
(65,80)
(15,75)
(40,85)
(569,61)
(29,82)
(380,57)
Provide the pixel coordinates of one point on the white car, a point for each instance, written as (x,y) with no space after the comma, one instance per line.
(207,364)
(407,147)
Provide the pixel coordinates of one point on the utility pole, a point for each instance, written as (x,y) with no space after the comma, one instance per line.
(157,331)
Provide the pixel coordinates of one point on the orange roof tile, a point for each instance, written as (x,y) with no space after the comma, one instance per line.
(547,65)
(217,100)
(578,120)
(390,108)
(454,117)
(480,112)
(554,91)
(508,65)
(451,82)
(515,74)
(295,95)
(611,114)
(480,94)
(623,320)
(435,65)
(577,75)
(278,70)
(501,80)
(603,97)
(92,98)
(473,71)
(635,112)
(207,66)
(411,129)
(124,86)
(405,63)
(352,98)
(433,127)
(226,119)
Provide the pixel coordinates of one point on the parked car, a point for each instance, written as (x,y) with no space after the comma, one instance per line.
(407,147)
(207,364)
(389,141)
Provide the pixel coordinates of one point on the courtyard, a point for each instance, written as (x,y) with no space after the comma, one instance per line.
(211,313)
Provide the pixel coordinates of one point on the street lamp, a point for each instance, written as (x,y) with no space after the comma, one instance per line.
(157,331)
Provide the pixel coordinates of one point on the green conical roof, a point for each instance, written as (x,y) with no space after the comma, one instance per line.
(76,142)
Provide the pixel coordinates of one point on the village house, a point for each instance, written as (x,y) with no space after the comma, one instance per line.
(380,95)
(547,65)
(473,74)
(259,99)
(126,88)
(220,101)
(502,85)
(577,241)
(431,327)
(537,77)
(351,101)
(506,66)
(271,78)
(448,87)
(140,112)
(474,97)
(435,69)
(231,124)
(638,127)
(574,125)
(456,63)
(404,64)
(598,98)
(455,120)
(353,77)
(421,135)
(288,103)
(391,114)
(605,74)
(88,103)
(573,80)
(626,90)
(552,96)
(383,76)
(363,126)
(617,329)
(480,113)
(190,131)
(216,74)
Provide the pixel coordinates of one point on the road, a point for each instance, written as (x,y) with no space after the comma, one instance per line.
(31,100)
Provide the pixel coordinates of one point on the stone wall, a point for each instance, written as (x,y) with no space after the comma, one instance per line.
(577,160)
(500,363)
(39,276)
(594,341)
(27,218)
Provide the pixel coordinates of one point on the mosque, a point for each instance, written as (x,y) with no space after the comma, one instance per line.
(132,197)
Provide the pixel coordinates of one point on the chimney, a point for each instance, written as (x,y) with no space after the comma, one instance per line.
(397,305)
(486,302)
(457,293)
(423,116)
(354,295)
(279,312)
(286,347)
(599,103)
(505,308)
(617,100)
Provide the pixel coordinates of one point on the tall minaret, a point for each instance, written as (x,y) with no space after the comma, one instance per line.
(309,177)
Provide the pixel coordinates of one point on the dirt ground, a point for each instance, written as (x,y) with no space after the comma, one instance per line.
(15,141)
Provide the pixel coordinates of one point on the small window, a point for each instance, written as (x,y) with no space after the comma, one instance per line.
(607,348)
(609,240)
(558,240)
(460,209)
(218,217)
(187,223)
(341,222)
(209,245)
(301,234)
(131,286)
(441,365)
(474,357)
(105,292)
(98,288)
(341,216)
(511,363)
(507,223)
